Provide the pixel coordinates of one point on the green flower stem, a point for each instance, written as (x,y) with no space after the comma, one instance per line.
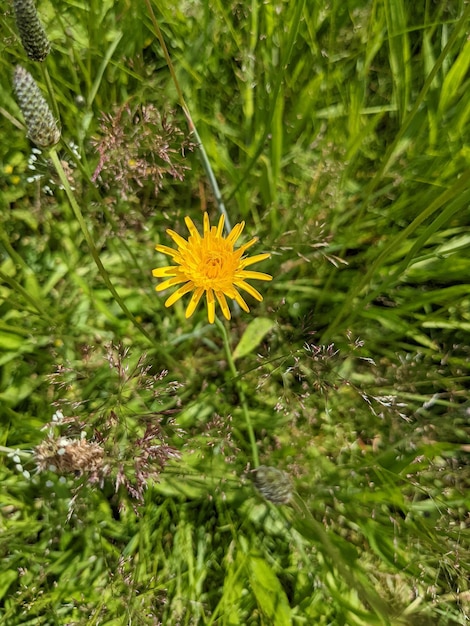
(94,252)
(50,91)
(241,393)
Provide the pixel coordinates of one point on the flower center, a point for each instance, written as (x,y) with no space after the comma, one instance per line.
(214,266)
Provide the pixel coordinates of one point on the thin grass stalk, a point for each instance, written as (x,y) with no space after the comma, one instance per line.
(102,68)
(241,393)
(393,150)
(299,7)
(17,258)
(50,90)
(94,253)
(192,127)
(309,527)
(399,54)
(347,311)
(110,219)
(15,285)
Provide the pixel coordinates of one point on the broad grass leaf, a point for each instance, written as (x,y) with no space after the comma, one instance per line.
(399,52)
(270,595)
(7,578)
(230,603)
(385,547)
(452,85)
(253,335)
(10,341)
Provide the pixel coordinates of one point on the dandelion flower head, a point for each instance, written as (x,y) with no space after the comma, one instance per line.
(210,265)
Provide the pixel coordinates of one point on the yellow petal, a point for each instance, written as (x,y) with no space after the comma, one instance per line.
(178,239)
(206,223)
(210,305)
(171,282)
(223,304)
(179,293)
(163,272)
(194,301)
(235,233)
(193,231)
(220,227)
(254,259)
(250,275)
(251,290)
(243,305)
(165,250)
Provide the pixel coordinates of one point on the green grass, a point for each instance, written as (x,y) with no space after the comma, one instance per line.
(339,133)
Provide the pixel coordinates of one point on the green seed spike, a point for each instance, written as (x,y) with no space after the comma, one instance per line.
(42,128)
(32,34)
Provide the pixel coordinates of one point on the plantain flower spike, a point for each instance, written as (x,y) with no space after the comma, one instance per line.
(32,34)
(273,484)
(40,123)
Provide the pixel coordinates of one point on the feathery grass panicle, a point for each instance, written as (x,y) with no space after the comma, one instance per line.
(210,265)
(138,147)
(41,126)
(32,33)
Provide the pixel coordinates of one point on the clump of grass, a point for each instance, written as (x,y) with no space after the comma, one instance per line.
(338,135)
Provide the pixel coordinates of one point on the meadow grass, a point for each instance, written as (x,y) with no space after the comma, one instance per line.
(339,133)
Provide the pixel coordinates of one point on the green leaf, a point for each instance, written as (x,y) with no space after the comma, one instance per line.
(11,341)
(6,580)
(270,595)
(232,591)
(453,81)
(253,336)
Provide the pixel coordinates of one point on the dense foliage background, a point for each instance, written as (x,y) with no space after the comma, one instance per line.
(339,132)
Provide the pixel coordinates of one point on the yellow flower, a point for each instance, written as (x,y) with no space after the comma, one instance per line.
(210,265)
